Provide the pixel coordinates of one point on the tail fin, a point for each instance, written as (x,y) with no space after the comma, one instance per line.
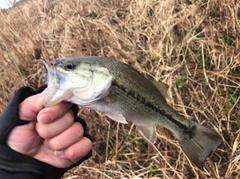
(198,143)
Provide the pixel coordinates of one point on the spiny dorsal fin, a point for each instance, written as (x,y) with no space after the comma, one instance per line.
(162,87)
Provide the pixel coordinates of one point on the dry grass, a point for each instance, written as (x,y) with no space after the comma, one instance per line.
(193,45)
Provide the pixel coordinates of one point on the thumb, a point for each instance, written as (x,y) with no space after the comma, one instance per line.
(30,107)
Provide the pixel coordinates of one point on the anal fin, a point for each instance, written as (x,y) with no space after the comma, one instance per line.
(148,131)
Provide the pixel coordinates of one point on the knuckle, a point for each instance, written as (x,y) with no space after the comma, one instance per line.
(69,118)
(79,149)
(55,144)
(77,129)
(43,131)
(70,113)
(73,153)
(88,144)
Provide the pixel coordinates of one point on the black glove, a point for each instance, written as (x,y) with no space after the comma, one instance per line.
(16,165)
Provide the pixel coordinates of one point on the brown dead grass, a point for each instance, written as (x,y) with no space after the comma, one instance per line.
(192,45)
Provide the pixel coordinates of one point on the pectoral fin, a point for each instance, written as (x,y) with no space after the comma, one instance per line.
(116,117)
(148,131)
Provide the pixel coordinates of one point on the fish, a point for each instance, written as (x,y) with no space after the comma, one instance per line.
(120,92)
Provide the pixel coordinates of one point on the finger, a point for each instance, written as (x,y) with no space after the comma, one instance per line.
(66,138)
(29,108)
(50,114)
(56,127)
(23,139)
(77,150)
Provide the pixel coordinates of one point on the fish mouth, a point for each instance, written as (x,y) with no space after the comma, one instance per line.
(53,83)
(45,71)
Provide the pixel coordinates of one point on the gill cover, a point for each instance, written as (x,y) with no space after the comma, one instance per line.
(77,81)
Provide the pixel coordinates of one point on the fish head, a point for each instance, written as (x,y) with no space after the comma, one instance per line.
(78,80)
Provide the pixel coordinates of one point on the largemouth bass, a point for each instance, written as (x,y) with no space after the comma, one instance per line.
(122,93)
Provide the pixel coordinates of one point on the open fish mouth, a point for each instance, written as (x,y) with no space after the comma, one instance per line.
(45,71)
(50,76)
(48,72)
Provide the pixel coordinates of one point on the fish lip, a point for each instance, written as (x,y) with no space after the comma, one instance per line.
(45,64)
(45,71)
(49,70)
(51,78)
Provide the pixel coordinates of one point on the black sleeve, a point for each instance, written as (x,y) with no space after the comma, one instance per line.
(16,165)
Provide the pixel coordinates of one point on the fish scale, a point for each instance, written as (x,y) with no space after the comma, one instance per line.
(145,90)
(123,94)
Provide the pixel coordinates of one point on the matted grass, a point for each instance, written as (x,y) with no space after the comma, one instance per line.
(191,45)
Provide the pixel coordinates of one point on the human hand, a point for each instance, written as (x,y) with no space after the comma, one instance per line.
(52,136)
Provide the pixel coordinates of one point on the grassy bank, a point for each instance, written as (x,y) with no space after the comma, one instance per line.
(191,45)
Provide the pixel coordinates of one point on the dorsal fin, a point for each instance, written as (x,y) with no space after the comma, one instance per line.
(162,87)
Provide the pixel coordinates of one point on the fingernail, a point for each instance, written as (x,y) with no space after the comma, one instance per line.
(59,153)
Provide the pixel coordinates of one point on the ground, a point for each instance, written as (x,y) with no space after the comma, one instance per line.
(192,45)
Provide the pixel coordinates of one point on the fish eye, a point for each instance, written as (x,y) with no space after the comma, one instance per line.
(69,66)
